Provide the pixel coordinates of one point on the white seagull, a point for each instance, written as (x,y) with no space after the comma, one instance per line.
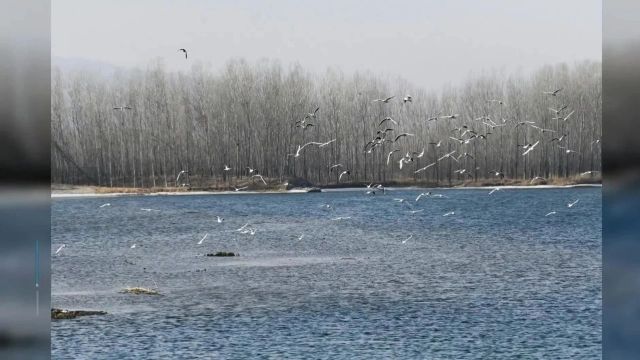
(103,205)
(346,172)
(180,174)
(530,148)
(384,100)
(204,237)
(261,178)
(391,153)
(425,168)
(572,204)
(552,93)
(242,227)
(60,248)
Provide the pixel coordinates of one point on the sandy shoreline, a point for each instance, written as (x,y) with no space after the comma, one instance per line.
(70,194)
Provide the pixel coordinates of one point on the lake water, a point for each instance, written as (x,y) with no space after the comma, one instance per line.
(497,279)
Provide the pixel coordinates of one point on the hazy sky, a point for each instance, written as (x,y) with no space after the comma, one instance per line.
(429,43)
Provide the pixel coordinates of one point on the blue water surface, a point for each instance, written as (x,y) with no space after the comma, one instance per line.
(496,279)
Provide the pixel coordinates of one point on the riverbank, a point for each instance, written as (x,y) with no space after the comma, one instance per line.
(64,190)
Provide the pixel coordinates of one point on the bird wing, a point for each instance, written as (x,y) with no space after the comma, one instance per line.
(327,143)
(309,143)
(389,98)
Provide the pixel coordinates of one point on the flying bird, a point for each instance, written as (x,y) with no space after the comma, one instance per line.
(180,174)
(122,108)
(567,150)
(552,93)
(391,153)
(449,213)
(226,168)
(384,100)
(494,190)
(551,213)
(572,204)
(240,188)
(558,111)
(448,155)
(418,154)
(541,129)
(242,227)
(346,172)
(387,119)
(497,173)
(425,168)
(335,167)
(326,143)
(103,205)
(313,114)
(261,178)
(184,51)
(219,219)
(536,178)
(300,147)
(204,237)
(407,239)
(566,117)
(60,248)
(423,194)
(407,98)
(530,148)
(402,135)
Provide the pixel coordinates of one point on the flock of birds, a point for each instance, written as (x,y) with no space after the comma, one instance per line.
(462,135)
(248,229)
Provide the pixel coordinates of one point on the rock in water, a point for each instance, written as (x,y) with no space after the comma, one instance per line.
(140,291)
(58,314)
(223,253)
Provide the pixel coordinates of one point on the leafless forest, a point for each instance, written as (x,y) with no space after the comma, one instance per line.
(141,128)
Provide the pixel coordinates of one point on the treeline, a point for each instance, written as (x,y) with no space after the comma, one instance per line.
(245,116)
